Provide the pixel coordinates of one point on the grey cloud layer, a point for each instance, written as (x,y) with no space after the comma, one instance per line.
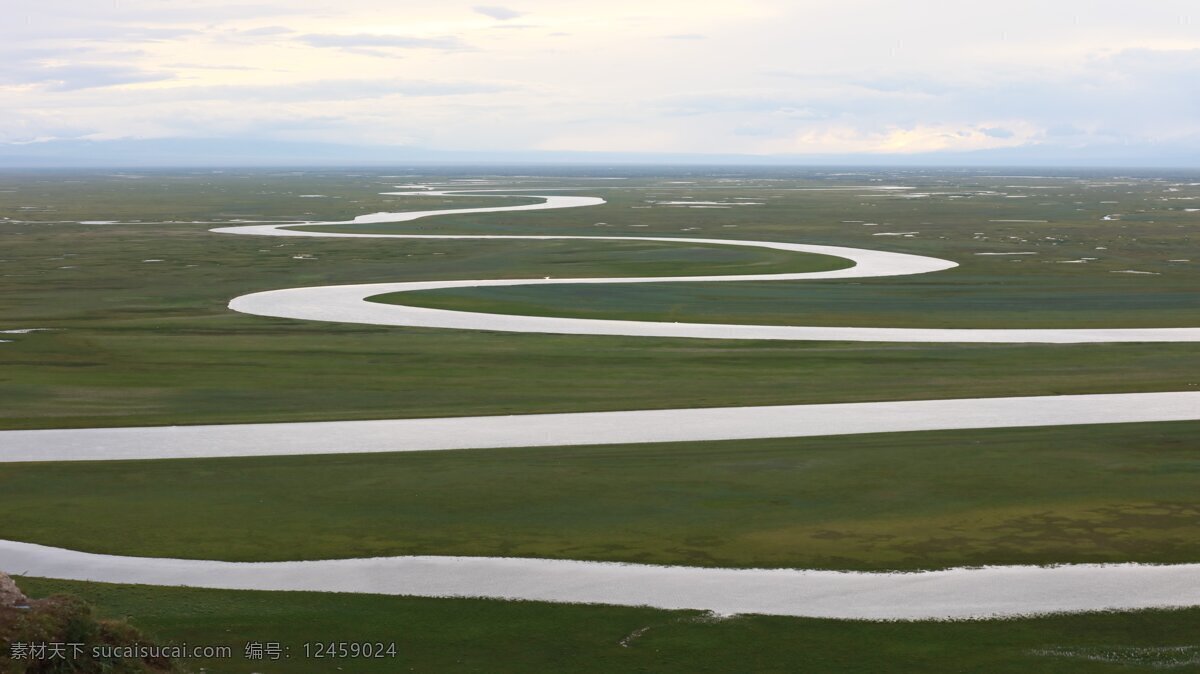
(75,76)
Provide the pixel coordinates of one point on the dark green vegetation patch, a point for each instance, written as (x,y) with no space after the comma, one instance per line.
(464,635)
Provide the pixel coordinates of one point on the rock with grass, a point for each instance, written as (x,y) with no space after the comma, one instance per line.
(65,619)
(11,595)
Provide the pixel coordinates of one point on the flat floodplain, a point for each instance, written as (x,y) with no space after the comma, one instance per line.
(125,290)
(142,335)
(876,502)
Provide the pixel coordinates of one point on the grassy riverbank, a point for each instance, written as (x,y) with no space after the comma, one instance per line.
(467,635)
(1117,493)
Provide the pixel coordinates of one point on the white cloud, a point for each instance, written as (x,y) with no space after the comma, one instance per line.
(758,76)
(369,40)
(496,12)
(323,90)
(902,140)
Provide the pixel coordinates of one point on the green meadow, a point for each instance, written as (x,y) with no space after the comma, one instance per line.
(137,333)
(1116,493)
(1051,263)
(141,334)
(471,635)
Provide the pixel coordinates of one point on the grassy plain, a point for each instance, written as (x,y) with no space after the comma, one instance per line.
(139,342)
(466,635)
(981,302)
(1118,493)
(1041,255)
(140,335)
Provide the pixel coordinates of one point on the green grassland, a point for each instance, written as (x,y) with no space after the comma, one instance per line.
(470,635)
(927,302)
(137,343)
(1079,275)
(1117,493)
(140,335)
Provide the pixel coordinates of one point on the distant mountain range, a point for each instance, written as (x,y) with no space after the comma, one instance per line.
(191,152)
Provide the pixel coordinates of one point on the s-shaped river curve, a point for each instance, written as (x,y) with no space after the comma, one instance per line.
(348,303)
(946,594)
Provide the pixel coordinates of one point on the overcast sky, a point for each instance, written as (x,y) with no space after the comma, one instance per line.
(795,77)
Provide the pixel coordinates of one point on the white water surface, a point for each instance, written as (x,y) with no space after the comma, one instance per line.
(961,593)
(590,428)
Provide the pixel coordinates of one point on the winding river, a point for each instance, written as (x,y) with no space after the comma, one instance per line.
(997,591)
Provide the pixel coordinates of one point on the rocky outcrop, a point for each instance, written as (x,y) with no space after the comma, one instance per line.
(64,619)
(10,594)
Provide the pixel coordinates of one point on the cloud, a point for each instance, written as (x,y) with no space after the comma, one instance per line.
(78,76)
(769,103)
(160,12)
(864,76)
(210,66)
(265,30)
(75,34)
(322,90)
(365,40)
(252,36)
(899,140)
(496,12)
(144,34)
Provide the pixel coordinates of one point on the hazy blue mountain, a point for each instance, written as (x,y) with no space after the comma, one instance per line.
(252,152)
